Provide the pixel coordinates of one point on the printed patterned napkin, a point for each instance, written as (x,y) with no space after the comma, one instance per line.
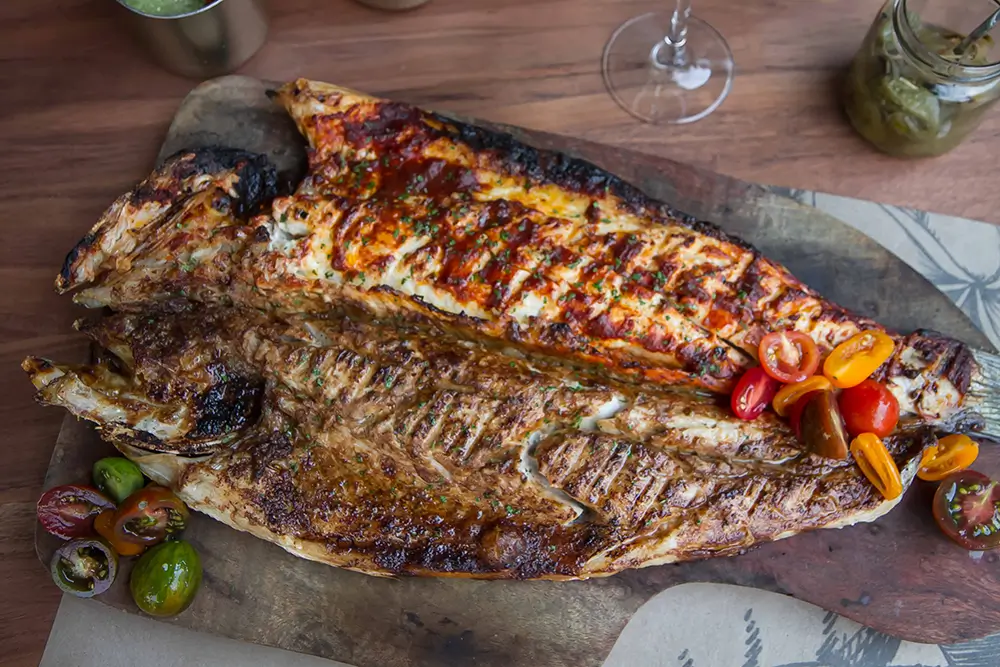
(694,625)
(960,257)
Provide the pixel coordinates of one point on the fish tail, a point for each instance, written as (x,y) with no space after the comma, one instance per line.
(984,392)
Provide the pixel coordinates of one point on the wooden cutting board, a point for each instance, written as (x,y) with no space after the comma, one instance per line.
(898,575)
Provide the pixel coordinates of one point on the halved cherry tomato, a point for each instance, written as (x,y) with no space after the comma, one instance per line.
(752,394)
(788,356)
(69,511)
(118,477)
(876,463)
(789,395)
(104,525)
(795,413)
(967,509)
(869,408)
(149,516)
(84,567)
(853,361)
(951,454)
(821,428)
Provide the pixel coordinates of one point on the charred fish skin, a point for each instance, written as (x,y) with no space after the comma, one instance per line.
(412,455)
(248,179)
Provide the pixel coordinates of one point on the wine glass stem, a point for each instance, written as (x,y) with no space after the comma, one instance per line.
(672,52)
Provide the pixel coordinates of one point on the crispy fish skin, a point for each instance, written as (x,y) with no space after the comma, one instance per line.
(246,179)
(388,454)
(409,215)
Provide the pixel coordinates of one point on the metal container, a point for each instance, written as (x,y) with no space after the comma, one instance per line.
(208,42)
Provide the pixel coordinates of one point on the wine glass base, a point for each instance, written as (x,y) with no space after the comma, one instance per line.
(641,78)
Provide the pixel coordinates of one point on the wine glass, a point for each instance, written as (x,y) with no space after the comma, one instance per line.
(668,66)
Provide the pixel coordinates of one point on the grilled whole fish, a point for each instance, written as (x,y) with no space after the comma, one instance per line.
(449,353)
(407,214)
(350,445)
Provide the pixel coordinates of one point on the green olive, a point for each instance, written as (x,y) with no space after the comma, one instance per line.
(165,579)
(118,477)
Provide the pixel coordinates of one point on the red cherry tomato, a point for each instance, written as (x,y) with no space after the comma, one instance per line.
(69,511)
(967,509)
(788,356)
(869,408)
(753,393)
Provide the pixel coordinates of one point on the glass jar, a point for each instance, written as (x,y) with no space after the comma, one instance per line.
(907,92)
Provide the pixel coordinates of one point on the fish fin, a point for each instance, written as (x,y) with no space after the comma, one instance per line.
(984,392)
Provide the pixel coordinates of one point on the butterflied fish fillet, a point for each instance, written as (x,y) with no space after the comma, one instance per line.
(349,445)
(449,353)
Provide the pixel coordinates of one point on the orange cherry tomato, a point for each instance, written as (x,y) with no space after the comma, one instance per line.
(877,465)
(853,361)
(104,524)
(788,395)
(788,356)
(951,454)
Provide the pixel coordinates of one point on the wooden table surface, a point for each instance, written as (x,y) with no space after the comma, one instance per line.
(83,114)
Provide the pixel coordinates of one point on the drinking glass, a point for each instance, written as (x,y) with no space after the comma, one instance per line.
(668,66)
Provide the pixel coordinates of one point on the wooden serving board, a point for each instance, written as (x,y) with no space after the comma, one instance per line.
(898,575)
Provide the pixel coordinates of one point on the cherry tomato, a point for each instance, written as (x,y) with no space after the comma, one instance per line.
(951,454)
(876,463)
(795,413)
(853,361)
(149,516)
(165,580)
(869,408)
(967,509)
(117,477)
(84,567)
(821,427)
(752,394)
(69,511)
(789,395)
(104,525)
(788,356)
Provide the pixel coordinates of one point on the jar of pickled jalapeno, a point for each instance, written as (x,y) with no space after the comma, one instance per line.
(909,91)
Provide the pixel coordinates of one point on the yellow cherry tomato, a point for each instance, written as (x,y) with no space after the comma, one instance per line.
(951,454)
(853,361)
(790,393)
(877,465)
